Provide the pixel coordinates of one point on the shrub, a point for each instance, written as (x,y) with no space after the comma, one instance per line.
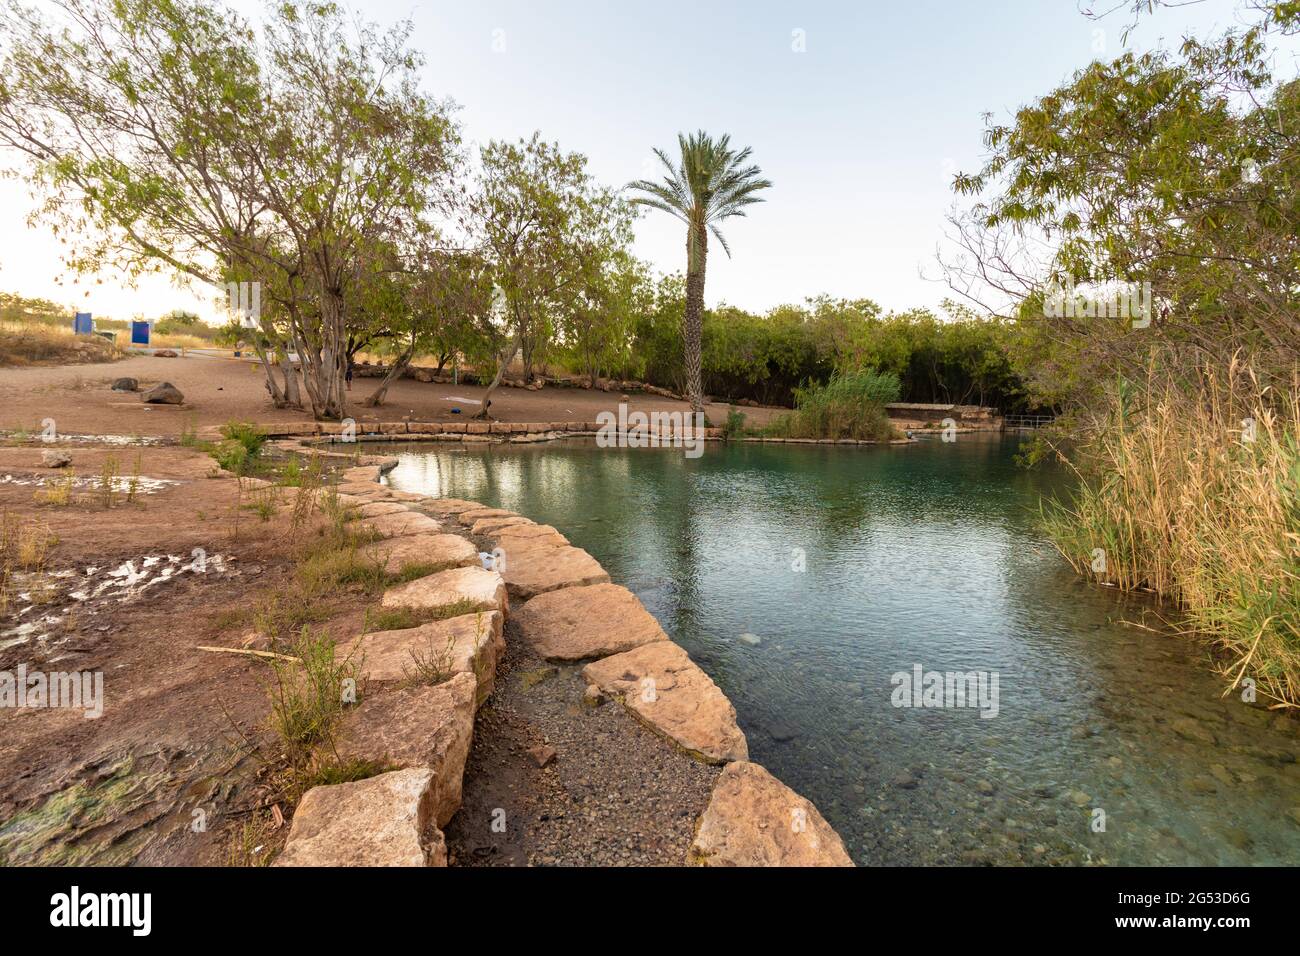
(850,405)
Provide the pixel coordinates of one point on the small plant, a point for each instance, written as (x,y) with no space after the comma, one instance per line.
(189,437)
(247,434)
(307,701)
(106,487)
(57,492)
(734,426)
(430,666)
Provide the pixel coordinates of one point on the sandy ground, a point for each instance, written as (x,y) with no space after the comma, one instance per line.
(166,774)
(216,390)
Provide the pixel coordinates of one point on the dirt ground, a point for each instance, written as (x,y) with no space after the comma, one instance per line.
(217,390)
(166,774)
(615,794)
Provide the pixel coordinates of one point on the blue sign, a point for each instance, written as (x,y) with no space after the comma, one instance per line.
(139,333)
(84,324)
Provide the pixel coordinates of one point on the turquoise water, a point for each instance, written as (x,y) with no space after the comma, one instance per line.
(844,566)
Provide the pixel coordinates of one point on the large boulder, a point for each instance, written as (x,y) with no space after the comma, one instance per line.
(474,588)
(164,393)
(525,535)
(373,509)
(449,550)
(753,819)
(573,624)
(399,524)
(473,516)
(486,526)
(668,692)
(421,727)
(451,506)
(387,820)
(468,644)
(534,570)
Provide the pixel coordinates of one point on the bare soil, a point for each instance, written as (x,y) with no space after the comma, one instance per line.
(168,774)
(218,389)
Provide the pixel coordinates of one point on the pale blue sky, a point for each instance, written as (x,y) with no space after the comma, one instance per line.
(860,132)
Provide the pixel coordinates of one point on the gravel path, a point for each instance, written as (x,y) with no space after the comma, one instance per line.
(615,793)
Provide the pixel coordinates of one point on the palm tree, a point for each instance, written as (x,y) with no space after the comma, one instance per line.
(710,183)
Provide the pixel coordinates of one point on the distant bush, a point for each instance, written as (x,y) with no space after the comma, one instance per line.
(850,405)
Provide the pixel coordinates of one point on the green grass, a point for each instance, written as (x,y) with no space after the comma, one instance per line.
(401,618)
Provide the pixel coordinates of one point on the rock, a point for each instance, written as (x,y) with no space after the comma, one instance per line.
(468,644)
(753,819)
(386,820)
(489,525)
(665,689)
(56,459)
(445,549)
(985,787)
(1222,774)
(579,623)
(519,535)
(1193,730)
(361,473)
(593,698)
(398,524)
(905,781)
(422,727)
(481,590)
(753,640)
(1078,798)
(125,384)
(542,754)
(165,353)
(369,490)
(533,571)
(473,516)
(164,393)
(451,506)
(373,509)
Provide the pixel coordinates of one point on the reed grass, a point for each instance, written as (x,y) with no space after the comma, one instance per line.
(1194,494)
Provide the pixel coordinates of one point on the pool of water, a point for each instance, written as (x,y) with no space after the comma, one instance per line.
(805,578)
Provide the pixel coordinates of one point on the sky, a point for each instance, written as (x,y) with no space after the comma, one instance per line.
(859,112)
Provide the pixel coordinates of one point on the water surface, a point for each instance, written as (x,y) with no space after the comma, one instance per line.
(851,564)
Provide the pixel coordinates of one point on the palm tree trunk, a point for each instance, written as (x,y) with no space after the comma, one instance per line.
(693,320)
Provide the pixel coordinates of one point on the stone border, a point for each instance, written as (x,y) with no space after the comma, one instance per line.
(394,818)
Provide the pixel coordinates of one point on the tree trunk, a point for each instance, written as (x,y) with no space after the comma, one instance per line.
(377,396)
(693,320)
(292,394)
(505,359)
(273,387)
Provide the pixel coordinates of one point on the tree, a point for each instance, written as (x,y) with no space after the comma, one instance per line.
(165,134)
(598,329)
(709,184)
(544,223)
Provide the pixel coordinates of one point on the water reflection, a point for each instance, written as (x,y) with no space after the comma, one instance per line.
(926,554)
